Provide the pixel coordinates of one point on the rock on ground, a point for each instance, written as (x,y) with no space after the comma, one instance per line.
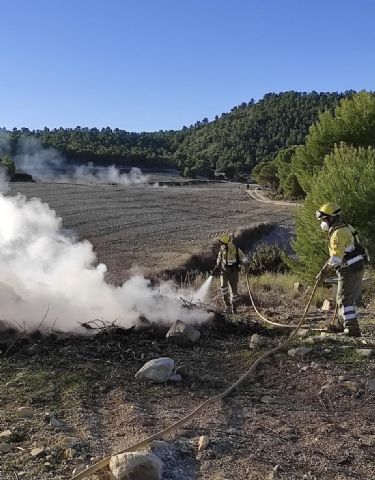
(299,352)
(158,370)
(257,341)
(136,466)
(25,412)
(182,334)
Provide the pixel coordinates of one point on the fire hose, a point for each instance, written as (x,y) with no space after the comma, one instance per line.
(276,324)
(162,433)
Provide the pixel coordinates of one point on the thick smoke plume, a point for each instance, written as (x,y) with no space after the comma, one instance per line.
(49,165)
(42,270)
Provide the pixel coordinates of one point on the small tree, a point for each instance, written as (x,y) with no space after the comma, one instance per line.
(353,122)
(347,178)
(266,174)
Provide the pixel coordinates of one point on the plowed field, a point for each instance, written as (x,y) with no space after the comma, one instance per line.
(153,228)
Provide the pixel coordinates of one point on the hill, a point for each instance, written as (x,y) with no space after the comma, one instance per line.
(233,143)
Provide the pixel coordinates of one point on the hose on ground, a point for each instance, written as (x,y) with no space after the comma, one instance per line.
(162,433)
(270,322)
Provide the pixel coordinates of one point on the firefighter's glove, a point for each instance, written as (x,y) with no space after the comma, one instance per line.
(324,273)
(245,261)
(216,271)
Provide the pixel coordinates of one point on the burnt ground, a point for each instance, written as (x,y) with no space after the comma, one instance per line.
(152,228)
(309,418)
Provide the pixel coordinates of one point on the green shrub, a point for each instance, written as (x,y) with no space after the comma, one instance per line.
(267,258)
(353,123)
(347,178)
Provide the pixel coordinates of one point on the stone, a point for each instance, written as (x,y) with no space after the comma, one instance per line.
(303,332)
(176,377)
(6,434)
(326,307)
(267,399)
(203,442)
(257,341)
(371,384)
(351,386)
(158,370)
(299,352)
(182,334)
(38,452)
(69,453)
(368,440)
(25,412)
(55,423)
(5,448)
(366,352)
(136,466)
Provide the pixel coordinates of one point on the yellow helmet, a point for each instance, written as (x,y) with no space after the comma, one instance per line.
(225,238)
(328,209)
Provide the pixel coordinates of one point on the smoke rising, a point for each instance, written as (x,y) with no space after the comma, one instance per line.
(49,165)
(45,272)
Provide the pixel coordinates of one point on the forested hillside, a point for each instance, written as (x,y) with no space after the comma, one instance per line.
(234,143)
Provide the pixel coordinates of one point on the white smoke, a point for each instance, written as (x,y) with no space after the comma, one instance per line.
(92,174)
(43,271)
(47,164)
(4,186)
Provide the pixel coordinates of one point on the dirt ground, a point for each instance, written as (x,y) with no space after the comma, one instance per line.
(152,228)
(308,418)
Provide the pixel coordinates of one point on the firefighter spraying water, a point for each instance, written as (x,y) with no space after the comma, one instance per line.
(228,266)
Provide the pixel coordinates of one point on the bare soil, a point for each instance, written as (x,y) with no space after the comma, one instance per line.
(311,418)
(152,228)
(296,419)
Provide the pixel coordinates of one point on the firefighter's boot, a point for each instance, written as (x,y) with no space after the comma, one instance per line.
(351,329)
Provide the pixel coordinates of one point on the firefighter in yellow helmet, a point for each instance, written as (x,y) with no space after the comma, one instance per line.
(347,258)
(228,263)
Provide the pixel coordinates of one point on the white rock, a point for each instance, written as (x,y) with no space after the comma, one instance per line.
(176,377)
(136,466)
(182,334)
(257,341)
(158,370)
(6,434)
(37,452)
(326,307)
(203,442)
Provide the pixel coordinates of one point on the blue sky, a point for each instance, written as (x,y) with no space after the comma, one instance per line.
(146,65)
